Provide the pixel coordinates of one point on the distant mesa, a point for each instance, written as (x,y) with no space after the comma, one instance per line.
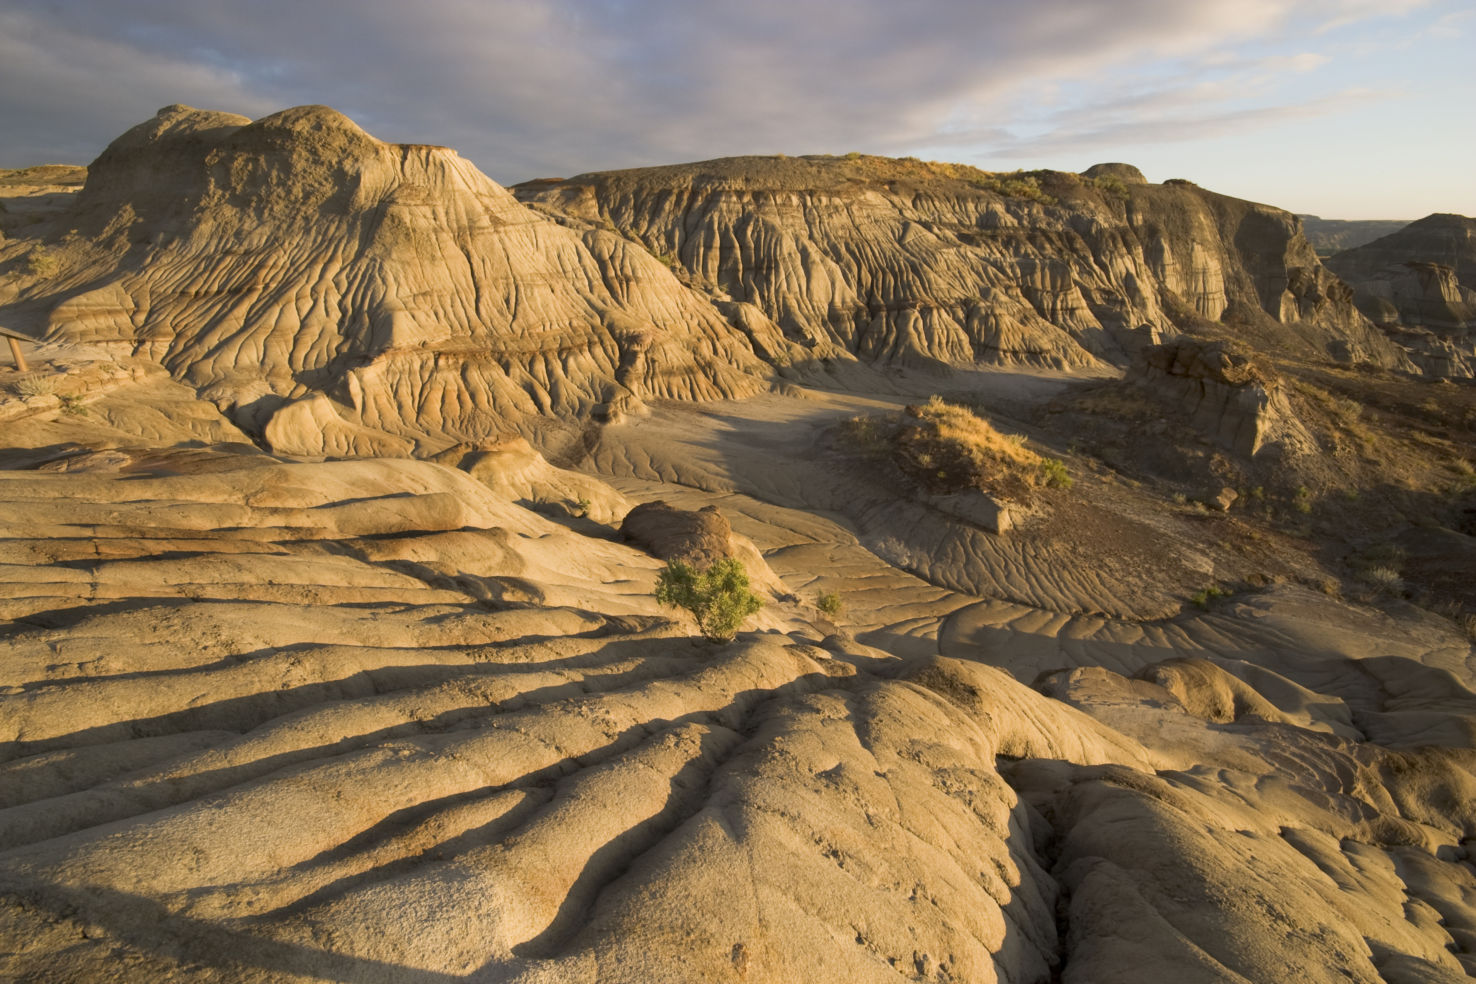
(1331,236)
(1419,283)
(1122,172)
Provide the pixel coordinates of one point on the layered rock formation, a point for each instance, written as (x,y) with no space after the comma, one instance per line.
(1223,392)
(1420,284)
(347,296)
(391,720)
(341,296)
(918,263)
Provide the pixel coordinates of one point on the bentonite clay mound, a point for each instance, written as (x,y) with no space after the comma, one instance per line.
(346,296)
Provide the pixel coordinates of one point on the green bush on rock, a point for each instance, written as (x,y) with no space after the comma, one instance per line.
(719,597)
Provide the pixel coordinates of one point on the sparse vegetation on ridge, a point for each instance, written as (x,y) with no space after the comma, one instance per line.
(35,385)
(41,262)
(1020,184)
(1111,185)
(1204,596)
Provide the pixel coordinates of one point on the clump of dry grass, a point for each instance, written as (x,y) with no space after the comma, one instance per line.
(35,385)
(946,448)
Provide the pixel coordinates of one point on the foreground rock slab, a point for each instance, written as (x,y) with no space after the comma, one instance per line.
(373,721)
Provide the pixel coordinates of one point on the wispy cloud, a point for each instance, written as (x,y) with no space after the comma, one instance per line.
(1184,124)
(536,87)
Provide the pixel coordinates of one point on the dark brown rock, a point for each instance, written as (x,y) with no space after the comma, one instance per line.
(698,539)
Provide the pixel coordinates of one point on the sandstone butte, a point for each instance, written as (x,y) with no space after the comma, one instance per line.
(323,656)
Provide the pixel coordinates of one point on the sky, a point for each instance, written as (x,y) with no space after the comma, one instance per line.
(1349,109)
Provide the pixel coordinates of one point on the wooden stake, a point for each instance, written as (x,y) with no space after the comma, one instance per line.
(15,350)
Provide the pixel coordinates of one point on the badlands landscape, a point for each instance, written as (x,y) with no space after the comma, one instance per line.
(1115,554)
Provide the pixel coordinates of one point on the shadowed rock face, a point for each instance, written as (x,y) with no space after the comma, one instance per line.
(1224,393)
(917,263)
(1420,283)
(347,296)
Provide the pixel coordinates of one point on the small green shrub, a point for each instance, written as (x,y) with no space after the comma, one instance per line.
(830,602)
(73,405)
(41,262)
(1053,474)
(719,597)
(1204,596)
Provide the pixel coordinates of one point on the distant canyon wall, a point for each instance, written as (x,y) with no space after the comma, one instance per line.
(1419,285)
(339,295)
(914,262)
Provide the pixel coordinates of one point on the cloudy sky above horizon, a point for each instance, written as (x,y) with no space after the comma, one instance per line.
(1343,108)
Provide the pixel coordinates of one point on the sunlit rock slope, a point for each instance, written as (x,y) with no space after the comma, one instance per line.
(347,296)
(375,721)
(922,263)
(314,667)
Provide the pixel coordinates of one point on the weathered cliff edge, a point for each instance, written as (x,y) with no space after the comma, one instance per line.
(921,263)
(1224,392)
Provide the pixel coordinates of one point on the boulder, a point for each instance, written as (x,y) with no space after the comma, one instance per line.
(1221,390)
(698,539)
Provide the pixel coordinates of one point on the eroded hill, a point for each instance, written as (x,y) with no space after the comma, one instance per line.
(1419,284)
(917,263)
(336,294)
